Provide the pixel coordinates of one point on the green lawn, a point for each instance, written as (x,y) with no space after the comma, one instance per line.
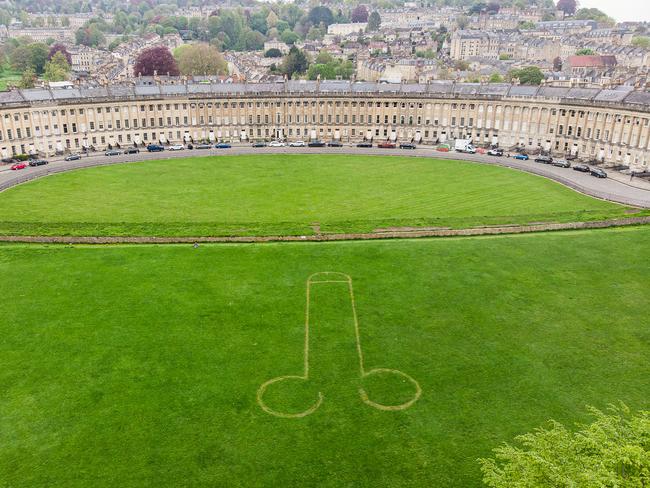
(138,366)
(284,194)
(8,75)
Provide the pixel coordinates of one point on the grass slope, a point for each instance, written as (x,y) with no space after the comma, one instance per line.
(285,194)
(138,366)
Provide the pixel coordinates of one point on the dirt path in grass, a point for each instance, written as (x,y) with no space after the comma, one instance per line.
(391,233)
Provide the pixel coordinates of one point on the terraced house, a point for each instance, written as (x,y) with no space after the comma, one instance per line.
(609,125)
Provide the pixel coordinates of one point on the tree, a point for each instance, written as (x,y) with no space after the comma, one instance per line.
(57,68)
(374,21)
(462,22)
(359,14)
(493,8)
(594,14)
(59,48)
(38,54)
(530,75)
(495,78)
(28,78)
(321,15)
(314,34)
(274,52)
(90,36)
(557,64)
(157,59)
(21,58)
(289,37)
(295,62)
(504,57)
(567,6)
(641,41)
(585,51)
(200,59)
(611,451)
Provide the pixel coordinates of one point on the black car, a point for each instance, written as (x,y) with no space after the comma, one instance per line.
(259,144)
(72,157)
(364,144)
(203,146)
(9,160)
(38,162)
(544,159)
(131,150)
(598,173)
(583,168)
(316,144)
(334,144)
(407,145)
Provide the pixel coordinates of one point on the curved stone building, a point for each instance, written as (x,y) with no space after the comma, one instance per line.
(608,125)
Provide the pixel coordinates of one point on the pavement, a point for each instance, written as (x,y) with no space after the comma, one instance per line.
(618,187)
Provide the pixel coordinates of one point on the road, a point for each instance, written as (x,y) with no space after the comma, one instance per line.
(615,188)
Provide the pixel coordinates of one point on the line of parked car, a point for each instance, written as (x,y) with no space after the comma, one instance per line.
(382,145)
(562,163)
(32,162)
(160,148)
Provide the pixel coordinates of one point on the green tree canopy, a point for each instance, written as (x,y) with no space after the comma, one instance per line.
(641,41)
(295,62)
(200,59)
(57,68)
(530,75)
(374,21)
(612,451)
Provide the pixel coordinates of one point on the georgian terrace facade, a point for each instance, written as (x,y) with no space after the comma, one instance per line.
(608,125)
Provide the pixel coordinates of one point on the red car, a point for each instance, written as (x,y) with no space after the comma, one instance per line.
(386,145)
(19,166)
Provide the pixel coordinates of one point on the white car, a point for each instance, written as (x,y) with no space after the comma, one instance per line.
(176,147)
(297,144)
(276,144)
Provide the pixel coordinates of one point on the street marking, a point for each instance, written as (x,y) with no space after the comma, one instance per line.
(323,278)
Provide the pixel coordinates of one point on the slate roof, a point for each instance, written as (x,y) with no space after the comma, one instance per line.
(144,88)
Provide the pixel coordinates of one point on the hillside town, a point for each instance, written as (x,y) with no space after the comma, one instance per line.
(402,42)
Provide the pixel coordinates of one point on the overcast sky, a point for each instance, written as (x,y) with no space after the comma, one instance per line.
(621,10)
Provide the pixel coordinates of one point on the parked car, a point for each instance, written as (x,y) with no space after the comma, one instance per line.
(495,152)
(598,173)
(571,157)
(335,144)
(407,145)
(131,150)
(203,146)
(364,144)
(386,145)
(316,144)
(259,144)
(297,144)
(112,152)
(155,148)
(222,145)
(562,163)
(176,147)
(276,144)
(544,159)
(38,162)
(583,168)
(9,160)
(522,157)
(21,165)
(72,157)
